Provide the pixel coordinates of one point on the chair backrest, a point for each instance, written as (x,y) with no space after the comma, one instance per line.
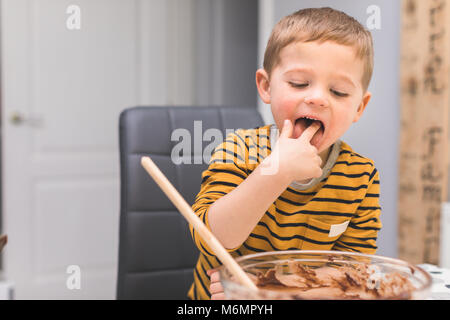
(156,251)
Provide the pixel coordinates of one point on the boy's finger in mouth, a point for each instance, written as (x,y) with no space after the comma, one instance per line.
(301,124)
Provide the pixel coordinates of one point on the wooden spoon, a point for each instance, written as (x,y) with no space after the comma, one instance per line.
(196,222)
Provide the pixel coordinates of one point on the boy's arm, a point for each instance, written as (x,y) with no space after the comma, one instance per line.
(233,217)
(362,231)
(230,202)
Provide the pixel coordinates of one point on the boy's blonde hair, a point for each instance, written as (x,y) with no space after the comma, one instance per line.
(321,24)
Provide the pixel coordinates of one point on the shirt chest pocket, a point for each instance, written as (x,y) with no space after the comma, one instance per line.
(322,236)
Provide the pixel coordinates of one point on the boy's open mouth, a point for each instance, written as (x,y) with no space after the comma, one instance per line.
(304,122)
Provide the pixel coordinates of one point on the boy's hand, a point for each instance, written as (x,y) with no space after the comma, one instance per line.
(215,287)
(297,158)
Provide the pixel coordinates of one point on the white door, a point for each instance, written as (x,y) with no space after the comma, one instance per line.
(63,88)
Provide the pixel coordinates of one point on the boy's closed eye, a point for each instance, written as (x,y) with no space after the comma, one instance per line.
(335,92)
(339,94)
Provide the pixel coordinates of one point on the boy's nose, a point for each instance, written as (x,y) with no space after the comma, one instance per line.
(317,100)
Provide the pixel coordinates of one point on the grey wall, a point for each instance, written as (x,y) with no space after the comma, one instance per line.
(226,50)
(376,135)
(240,51)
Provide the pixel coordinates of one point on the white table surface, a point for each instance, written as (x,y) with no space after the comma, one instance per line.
(440,289)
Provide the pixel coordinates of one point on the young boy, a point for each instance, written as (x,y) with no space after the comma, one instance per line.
(303,188)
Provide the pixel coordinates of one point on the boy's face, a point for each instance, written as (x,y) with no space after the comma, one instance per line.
(317,80)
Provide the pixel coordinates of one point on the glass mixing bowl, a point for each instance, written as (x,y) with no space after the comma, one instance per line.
(384,273)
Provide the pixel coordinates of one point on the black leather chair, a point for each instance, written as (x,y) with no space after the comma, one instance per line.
(156,251)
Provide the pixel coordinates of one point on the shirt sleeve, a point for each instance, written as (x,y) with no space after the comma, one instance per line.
(227,169)
(362,231)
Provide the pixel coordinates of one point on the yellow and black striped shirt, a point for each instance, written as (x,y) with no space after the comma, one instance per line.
(338,211)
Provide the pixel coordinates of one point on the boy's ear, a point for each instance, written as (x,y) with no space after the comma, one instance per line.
(263,85)
(363,105)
